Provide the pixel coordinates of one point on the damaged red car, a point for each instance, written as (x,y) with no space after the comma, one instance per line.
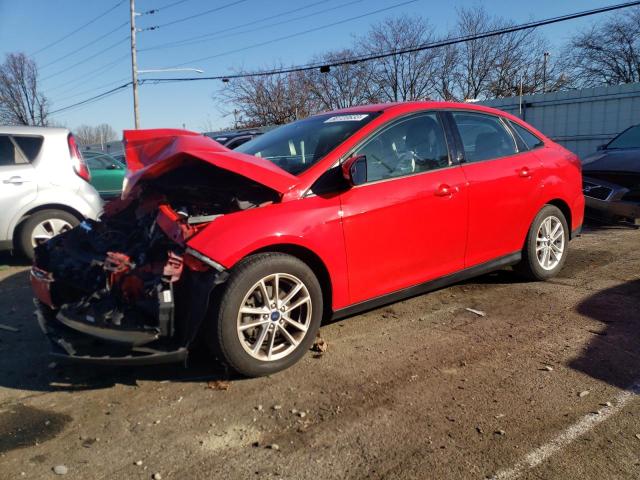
(248,251)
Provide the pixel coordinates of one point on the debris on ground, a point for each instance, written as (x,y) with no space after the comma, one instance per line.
(480,313)
(218,385)
(583,393)
(500,432)
(547,368)
(259,408)
(638,436)
(606,404)
(138,463)
(274,446)
(60,470)
(319,345)
(8,328)
(156,476)
(277,407)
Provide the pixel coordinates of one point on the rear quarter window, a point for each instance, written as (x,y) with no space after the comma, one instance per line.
(529,139)
(30,146)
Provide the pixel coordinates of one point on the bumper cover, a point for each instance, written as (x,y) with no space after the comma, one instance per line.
(606,199)
(73,346)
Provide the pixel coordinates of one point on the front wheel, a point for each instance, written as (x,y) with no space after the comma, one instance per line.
(41,227)
(268,314)
(546,247)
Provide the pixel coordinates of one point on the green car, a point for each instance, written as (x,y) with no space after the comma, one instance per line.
(107,173)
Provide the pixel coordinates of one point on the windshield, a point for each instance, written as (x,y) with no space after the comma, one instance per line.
(298,145)
(630,138)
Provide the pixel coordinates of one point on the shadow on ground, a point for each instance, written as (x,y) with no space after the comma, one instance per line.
(26,364)
(613,355)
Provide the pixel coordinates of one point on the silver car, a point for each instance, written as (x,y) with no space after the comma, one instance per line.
(44,186)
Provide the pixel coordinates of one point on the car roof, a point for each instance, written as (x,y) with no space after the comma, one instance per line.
(24,129)
(420,105)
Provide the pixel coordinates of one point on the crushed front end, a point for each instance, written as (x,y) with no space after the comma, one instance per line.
(128,289)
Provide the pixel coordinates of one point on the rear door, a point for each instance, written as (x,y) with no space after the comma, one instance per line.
(407,223)
(503,184)
(18,186)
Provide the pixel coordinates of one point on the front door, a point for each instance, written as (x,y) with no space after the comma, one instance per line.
(407,223)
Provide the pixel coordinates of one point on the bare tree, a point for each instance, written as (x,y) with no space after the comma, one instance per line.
(400,77)
(21,102)
(343,85)
(267,100)
(88,135)
(607,53)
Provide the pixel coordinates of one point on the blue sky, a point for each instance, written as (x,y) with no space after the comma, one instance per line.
(75,69)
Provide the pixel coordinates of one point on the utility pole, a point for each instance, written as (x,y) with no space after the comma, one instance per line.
(134,65)
(544,71)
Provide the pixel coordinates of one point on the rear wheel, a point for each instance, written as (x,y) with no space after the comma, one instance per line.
(546,247)
(42,226)
(268,314)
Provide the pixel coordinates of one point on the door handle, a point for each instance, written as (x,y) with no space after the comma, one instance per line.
(445,190)
(15,180)
(524,172)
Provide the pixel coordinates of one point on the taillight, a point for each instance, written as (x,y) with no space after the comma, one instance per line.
(79,165)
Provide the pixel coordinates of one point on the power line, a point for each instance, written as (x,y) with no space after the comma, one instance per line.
(375,56)
(73,32)
(195,15)
(217,35)
(86,59)
(191,40)
(86,45)
(89,76)
(297,34)
(426,46)
(92,89)
(92,99)
(163,8)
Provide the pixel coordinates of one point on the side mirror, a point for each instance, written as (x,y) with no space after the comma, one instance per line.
(113,166)
(354,170)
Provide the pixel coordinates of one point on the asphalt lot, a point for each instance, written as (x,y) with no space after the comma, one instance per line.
(542,387)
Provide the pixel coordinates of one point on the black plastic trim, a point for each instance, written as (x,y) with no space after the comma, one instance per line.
(431,285)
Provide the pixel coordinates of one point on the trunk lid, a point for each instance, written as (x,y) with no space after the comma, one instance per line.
(150,153)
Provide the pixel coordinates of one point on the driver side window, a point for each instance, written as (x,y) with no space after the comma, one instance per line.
(410,146)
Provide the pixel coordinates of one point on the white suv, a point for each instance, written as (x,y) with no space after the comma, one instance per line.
(44,186)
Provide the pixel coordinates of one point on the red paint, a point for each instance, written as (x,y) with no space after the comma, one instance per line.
(379,237)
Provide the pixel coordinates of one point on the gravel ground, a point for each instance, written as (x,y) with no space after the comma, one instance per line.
(542,387)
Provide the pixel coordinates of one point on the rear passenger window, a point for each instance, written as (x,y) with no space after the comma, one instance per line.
(9,154)
(30,146)
(529,139)
(484,137)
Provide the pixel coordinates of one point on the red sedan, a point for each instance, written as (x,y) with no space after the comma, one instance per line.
(249,250)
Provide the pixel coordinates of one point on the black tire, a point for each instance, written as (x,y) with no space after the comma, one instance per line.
(530,266)
(224,338)
(25,232)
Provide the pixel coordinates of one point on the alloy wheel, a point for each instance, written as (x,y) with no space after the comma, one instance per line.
(550,242)
(274,316)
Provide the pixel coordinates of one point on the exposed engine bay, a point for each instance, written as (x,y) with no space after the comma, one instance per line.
(128,278)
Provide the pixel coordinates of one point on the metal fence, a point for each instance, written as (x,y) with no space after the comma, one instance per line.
(580,120)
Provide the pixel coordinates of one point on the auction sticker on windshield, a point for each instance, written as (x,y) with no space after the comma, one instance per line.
(347,118)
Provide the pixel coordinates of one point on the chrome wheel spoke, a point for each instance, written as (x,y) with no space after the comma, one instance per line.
(291,294)
(273,338)
(293,323)
(260,341)
(299,303)
(288,336)
(254,310)
(246,326)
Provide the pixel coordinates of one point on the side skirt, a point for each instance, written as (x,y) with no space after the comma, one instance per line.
(429,286)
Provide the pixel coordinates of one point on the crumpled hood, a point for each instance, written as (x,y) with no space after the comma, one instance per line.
(613,161)
(150,153)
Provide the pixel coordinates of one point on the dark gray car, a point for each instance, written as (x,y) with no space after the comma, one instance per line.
(611,178)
